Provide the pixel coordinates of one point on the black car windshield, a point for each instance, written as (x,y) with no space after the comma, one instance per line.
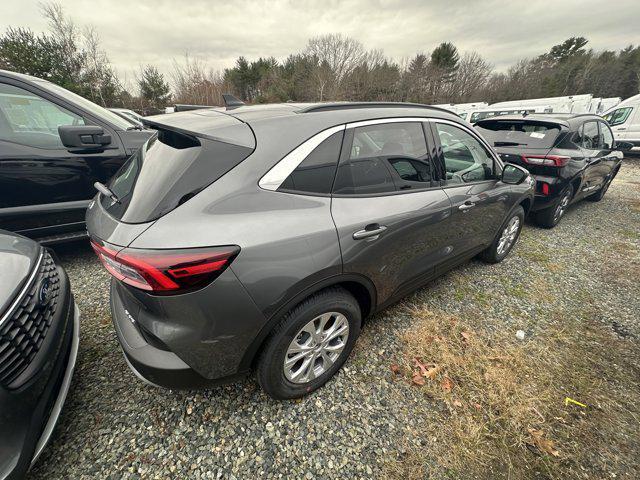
(88,105)
(520,133)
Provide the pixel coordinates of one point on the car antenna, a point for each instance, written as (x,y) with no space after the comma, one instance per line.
(231,102)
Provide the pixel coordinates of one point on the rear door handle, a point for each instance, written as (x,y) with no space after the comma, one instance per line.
(466,206)
(370,231)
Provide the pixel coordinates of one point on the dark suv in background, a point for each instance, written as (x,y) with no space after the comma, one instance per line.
(572,157)
(54,145)
(261,237)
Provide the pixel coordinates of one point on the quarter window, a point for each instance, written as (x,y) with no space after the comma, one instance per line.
(384,158)
(315,173)
(30,120)
(465,158)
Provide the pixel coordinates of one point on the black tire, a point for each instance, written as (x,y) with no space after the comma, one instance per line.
(493,254)
(599,195)
(270,369)
(550,217)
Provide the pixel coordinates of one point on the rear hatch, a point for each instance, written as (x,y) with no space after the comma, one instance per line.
(525,142)
(189,152)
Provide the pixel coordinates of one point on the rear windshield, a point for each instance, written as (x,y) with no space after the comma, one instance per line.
(168,170)
(519,133)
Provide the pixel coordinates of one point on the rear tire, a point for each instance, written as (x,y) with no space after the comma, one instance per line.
(550,217)
(506,238)
(300,356)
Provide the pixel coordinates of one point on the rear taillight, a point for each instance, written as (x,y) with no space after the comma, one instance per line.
(544,188)
(548,160)
(165,271)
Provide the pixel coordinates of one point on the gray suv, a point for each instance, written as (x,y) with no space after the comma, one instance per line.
(260,237)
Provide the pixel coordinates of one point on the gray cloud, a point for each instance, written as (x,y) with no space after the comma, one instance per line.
(216,32)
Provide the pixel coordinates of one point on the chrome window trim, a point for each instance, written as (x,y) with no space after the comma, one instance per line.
(281,170)
(273,179)
(24,289)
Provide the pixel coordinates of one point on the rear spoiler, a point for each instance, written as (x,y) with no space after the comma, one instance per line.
(523,119)
(230,102)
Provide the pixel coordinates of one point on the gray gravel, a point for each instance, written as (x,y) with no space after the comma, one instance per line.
(114,426)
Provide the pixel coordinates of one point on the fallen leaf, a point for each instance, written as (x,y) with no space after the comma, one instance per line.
(421,366)
(446,384)
(457,403)
(477,406)
(465,336)
(543,444)
(418,379)
(432,372)
(395,368)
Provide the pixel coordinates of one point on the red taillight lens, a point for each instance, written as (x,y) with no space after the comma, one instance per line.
(544,187)
(165,271)
(548,160)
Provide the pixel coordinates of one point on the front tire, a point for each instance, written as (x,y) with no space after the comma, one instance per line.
(506,238)
(310,344)
(550,217)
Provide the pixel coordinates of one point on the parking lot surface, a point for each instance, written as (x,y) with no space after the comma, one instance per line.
(115,426)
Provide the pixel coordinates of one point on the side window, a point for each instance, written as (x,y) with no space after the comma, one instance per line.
(380,151)
(618,116)
(315,173)
(589,136)
(465,158)
(30,120)
(606,137)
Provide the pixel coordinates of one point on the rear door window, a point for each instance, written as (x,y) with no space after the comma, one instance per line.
(380,152)
(589,136)
(316,172)
(606,137)
(519,133)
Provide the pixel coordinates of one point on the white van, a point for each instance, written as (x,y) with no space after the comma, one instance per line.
(566,104)
(624,120)
(474,116)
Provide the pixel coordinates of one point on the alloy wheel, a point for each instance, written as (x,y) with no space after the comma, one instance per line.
(316,347)
(508,236)
(562,207)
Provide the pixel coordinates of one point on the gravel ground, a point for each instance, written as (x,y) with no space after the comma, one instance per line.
(114,426)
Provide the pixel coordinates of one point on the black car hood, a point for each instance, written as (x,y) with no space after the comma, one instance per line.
(18,256)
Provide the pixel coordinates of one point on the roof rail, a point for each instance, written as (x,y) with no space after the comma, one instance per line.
(322,107)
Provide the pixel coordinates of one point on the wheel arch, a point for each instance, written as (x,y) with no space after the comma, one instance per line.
(359,286)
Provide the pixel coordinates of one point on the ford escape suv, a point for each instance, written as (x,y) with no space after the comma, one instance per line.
(260,237)
(571,156)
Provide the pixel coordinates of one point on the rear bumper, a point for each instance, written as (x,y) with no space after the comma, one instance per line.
(556,186)
(194,340)
(29,414)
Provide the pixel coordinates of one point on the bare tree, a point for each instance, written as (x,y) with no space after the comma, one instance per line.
(194,83)
(336,57)
(471,77)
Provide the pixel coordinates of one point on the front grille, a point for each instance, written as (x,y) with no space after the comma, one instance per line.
(22,334)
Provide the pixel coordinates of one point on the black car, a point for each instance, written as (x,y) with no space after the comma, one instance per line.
(572,157)
(54,145)
(262,236)
(39,328)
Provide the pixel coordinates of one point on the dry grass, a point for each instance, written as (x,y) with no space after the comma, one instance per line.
(502,411)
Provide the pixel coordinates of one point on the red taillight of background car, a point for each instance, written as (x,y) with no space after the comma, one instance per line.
(547,160)
(165,271)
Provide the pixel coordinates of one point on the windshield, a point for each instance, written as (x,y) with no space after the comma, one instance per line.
(88,105)
(519,133)
(618,116)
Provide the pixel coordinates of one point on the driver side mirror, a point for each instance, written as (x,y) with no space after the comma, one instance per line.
(78,138)
(624,146)
(514,174)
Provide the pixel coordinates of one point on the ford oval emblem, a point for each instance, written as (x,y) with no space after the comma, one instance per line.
(44,292)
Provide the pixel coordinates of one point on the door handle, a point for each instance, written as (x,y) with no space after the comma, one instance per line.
(370,231)
(466,206)
(621,128)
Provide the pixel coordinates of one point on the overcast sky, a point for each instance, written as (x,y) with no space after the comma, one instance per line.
(135,32)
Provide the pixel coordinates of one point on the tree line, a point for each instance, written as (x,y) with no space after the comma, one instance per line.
(329,67)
